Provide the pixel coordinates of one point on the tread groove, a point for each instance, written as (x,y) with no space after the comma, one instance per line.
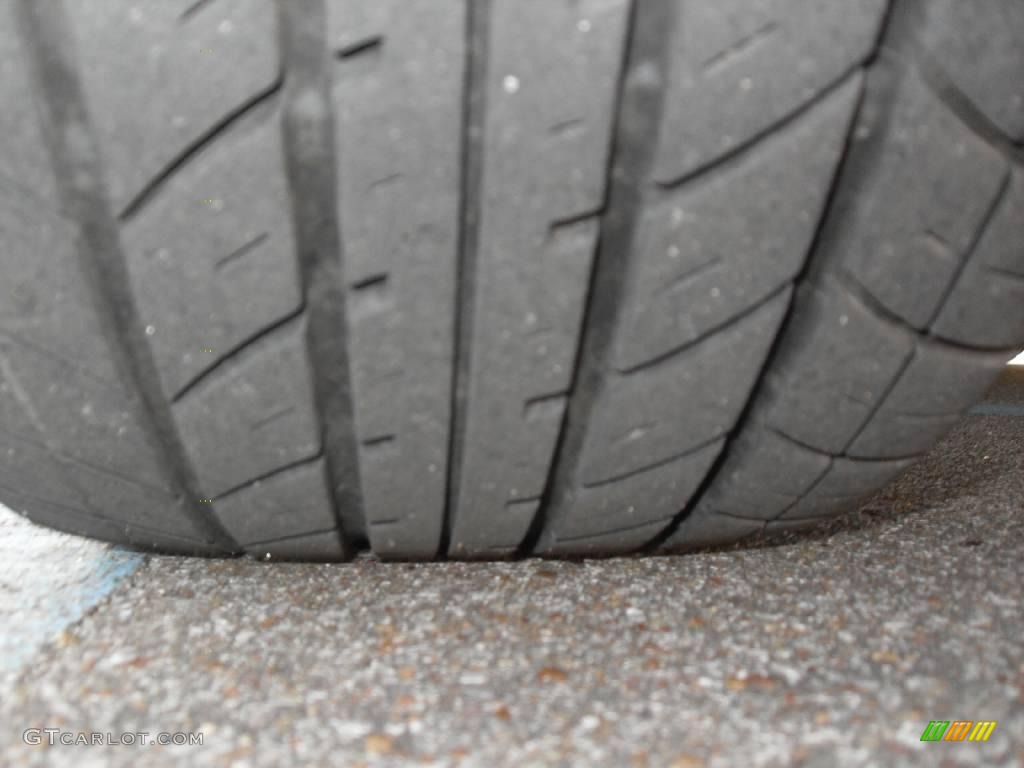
(807,491)
(369,45)
(271,418)
(194,9)
(311,165)
(66,361)
(1009,274)
(968,254)
(611,531)
(689,276)
(478,14)
(21,396)
(526,500)
(241,348)
(654,464)
(859,293)
(568,222)
(228,122)
(376,282)
(880,402)
(804,275)
(89,467)
(55,504)
(22,438)
(303,462)
(290,537)
(736,154)
(735,319)
(957,102)
(542,403)
(879,101)
(848,176)
(81,186)
(381,440)
(848,457)
(739,48)
(241,251)
(639,104)
(131,530)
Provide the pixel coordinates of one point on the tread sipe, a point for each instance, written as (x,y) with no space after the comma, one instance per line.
(488,278)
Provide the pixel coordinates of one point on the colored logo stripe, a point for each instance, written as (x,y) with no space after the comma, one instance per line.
(982,730)
(958,730)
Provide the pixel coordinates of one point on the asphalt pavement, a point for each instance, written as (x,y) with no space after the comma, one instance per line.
(833,648)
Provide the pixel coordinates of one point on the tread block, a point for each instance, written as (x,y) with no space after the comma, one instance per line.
(986,308)
(67,519)
(123,500)
(843,485)
(505,531)
(50,491)
(638,501)
(157,82)
(678,404)
(982,54)
(74,450)
(229,411)
(896,435)
(919,206)
(536,78)
(741,66)
(45,308)
(26,175)
(293,502)
(158,541)
(938,385)
(712,248)
(398,99)
(89,420)
(705,528)
(832,368)
(30,470)
(853,386)
(312,547)
(616,540)
(211,257)
(749,483)
(549,93)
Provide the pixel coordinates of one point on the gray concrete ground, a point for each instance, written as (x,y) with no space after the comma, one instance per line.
(836,648)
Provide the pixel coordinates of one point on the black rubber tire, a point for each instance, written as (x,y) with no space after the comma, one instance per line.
(479,278)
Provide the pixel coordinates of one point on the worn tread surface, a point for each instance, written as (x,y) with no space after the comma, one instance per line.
(881,357)
(477,279)
(544,152)
(398,90)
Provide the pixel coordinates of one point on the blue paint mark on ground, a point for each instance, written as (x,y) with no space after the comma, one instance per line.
(997,409)
(48,580)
